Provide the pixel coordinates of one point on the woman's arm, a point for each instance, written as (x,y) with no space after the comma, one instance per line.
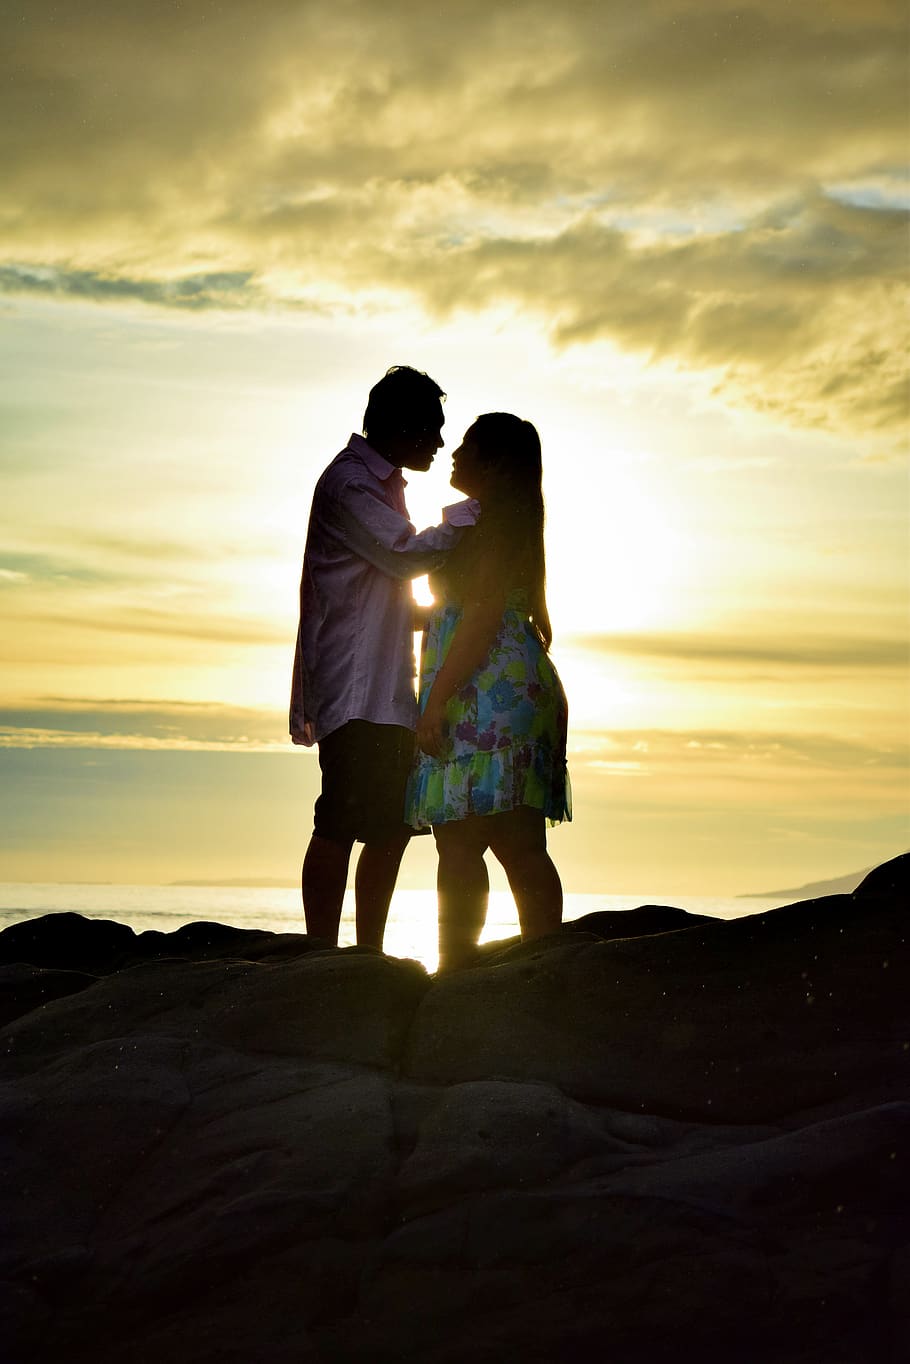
(474,634)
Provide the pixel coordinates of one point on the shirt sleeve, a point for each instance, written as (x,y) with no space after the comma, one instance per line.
(466,513)
(300,726)
(387,539)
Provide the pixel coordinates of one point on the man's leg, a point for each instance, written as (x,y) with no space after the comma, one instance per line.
(387,754)
(374,881)
(325,867)
(365,770)
(325,875)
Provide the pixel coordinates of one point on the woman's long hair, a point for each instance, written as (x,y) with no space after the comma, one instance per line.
(514,513)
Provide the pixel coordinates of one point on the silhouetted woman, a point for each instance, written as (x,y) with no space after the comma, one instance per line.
(492,728)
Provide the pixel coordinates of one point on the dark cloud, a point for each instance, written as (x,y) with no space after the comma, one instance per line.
(83,557)
(792,308)
(217,289)
(810,652)
(661,174)
(135,723)
(17,569)
(175,624)
(52,723)
(690,750)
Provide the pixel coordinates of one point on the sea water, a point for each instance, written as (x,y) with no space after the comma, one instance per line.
(411,929)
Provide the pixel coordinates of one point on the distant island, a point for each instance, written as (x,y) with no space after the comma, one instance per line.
(837,885)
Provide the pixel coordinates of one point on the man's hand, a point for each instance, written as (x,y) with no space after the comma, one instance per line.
(432,734)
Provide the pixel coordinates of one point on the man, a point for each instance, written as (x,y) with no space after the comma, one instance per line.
(353,688)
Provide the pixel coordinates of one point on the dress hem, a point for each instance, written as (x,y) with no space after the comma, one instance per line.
(486,783)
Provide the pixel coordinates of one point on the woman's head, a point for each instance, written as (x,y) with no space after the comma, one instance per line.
(499,463)
(498,459)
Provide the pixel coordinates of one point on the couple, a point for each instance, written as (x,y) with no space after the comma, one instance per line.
(489,765)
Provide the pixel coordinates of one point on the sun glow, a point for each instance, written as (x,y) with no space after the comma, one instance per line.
(618,557)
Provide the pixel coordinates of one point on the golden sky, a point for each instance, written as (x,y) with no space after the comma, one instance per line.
(672,233)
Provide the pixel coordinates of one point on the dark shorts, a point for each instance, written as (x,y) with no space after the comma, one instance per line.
(365,769)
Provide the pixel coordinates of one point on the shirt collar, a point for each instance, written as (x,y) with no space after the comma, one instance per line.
(377,464)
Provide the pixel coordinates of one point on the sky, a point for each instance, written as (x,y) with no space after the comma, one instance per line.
(671,233)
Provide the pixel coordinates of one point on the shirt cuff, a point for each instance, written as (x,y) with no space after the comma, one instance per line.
(465,513)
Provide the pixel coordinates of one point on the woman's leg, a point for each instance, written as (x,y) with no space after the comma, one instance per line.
(463,887)
(518,839)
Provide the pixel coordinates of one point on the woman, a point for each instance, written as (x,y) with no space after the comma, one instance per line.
(492,728)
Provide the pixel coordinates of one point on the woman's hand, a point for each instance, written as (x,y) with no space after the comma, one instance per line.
(432,737)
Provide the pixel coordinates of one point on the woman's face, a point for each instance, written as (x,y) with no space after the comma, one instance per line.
(469,475)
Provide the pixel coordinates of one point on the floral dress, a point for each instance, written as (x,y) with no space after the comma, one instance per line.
(506,728)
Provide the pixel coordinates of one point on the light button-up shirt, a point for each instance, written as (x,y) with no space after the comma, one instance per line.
(355,642)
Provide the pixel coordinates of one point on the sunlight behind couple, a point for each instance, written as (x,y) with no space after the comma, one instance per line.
(619,559)
(411,930)
(727,601)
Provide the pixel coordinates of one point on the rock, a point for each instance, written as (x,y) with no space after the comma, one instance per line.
(855,1151)
(24,988)
(635,923)
(494,1133)
(552,1274)
(897,1308)
(215,942)
(890,881)
(74,942)
(232,1146)
(68,942)
(608,923)
(195,1166)
(733,1021)
(332,1005)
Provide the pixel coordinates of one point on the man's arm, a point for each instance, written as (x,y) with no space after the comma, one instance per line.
(300,726)
(388,540)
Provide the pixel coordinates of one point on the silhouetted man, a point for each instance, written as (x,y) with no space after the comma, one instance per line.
(353,688)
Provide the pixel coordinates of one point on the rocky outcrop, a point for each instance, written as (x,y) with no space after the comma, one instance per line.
(222,1145)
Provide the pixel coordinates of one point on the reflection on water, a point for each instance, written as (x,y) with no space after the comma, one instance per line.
(411,930)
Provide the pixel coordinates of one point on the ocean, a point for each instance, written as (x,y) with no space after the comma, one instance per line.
(411,929)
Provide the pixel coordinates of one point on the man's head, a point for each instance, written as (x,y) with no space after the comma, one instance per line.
(404,417)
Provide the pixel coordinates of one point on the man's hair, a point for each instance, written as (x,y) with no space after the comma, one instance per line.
(403,401)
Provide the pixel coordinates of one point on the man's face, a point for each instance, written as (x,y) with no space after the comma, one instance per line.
(421,444)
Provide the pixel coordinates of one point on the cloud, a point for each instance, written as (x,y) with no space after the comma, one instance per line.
(820,652)
(663,759)
(174,624)
(215,290)
(799,310)
(706,183)
(19,569)
(88,556)
(692,753)
(103,723)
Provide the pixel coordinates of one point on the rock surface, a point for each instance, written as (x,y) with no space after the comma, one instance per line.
(653,1136)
